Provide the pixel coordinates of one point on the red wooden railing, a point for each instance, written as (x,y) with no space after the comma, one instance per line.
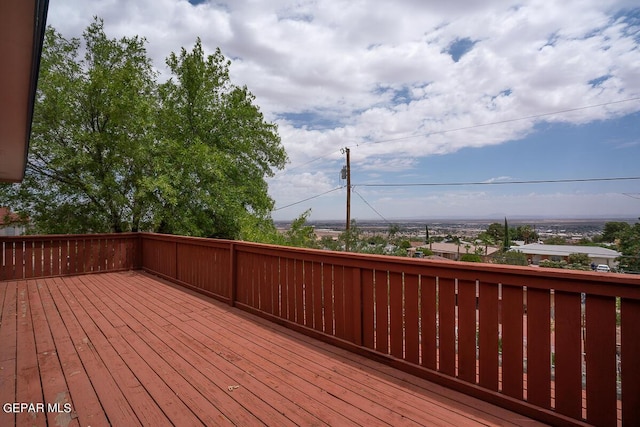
(60,255)
(560,346)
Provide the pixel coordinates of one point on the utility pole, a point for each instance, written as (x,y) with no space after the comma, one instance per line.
(348,225)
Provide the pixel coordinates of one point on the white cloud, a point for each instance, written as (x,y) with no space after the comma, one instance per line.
(343,73)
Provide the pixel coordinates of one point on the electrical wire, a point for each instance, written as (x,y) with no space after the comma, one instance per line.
(500,122)
(445,184)
(372,208)
(540,181)
(535,116)
(309,198)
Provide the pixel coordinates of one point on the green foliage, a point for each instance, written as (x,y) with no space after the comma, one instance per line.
(511,258)
(495,232)
(506,242)
(471,258)
(629,246)
(327,242)
(564,264)
(351,239)
(555,240)
(525,233)
(487,240)
(394,229)
(552,264)
(300,234)
(112,150)
(580,259)
(614,230)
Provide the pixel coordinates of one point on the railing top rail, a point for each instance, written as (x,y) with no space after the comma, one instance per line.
(41,237)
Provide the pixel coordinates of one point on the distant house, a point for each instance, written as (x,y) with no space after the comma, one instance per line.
(453,252)
(537,252)
(10,223)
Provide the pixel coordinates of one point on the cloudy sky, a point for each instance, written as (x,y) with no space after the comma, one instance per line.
(487,95)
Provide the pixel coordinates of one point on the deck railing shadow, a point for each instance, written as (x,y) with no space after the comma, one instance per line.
(559,346)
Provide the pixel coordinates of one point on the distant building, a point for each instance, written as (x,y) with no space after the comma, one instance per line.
(10,224)
(537,252)
(453,252)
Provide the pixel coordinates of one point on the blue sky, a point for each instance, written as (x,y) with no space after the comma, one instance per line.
(423,93)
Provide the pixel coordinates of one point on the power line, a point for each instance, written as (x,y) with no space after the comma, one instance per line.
(500,122)
(372,208)
(540,181)
(535,116)
(308,198)
(445,184)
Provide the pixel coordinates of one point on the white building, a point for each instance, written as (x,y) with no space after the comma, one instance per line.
(537,252)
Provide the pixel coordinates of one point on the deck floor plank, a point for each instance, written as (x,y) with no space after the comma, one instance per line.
(8,337)
(335,378)
(198,368)
(245,368)
(86,407)
(140,351)
(127,348)
(54,385)
(152,402)
(28,385)
(106,387)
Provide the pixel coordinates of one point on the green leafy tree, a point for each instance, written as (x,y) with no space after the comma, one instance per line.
(352,238)
(471,258)
(301,234)
(511,258)
(525,233)
(112,150)
(218,149)
(629,246)
(495,231)
(91,137)
(506,242)
(614,230)
(555,240)
(393,231)
(487,240)
(579,259)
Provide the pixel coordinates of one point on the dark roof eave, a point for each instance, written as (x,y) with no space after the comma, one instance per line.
(39,29)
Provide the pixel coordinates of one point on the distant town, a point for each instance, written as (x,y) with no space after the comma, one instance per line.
(601,244)
(569,229)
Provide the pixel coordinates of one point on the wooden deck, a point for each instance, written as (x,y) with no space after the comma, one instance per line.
(128,349)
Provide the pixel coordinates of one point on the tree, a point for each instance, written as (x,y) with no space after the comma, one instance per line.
(629,246)
(487,240)
(351,238)
(218,147)
(92,129)
(511,258)
(555,240)
(495,231)
(471,258)
(506,243)
(300,234)
(525,233)
(614,230)
(579,259)
(112,150)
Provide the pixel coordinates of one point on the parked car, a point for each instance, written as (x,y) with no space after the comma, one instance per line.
(603,268)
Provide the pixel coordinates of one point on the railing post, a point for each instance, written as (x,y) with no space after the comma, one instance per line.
(356,285)
(175,259)
(233,278)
